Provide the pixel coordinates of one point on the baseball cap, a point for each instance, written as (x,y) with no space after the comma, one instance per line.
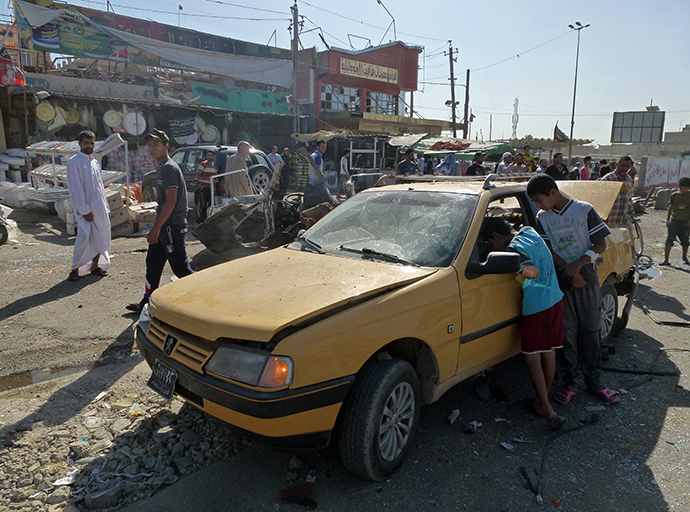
(158,135)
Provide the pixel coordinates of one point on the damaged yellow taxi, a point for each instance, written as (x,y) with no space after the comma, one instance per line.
(379,308)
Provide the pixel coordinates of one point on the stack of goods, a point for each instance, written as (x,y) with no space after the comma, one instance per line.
(125,218)
(144,215)
(299,177)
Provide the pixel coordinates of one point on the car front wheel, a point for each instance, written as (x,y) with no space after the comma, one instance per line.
(380,417)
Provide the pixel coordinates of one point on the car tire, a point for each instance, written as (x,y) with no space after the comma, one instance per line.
(379,419)
(609,307)
(4,234)
(260,178)
(148,195)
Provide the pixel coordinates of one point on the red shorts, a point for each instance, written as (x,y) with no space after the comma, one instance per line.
(543,331)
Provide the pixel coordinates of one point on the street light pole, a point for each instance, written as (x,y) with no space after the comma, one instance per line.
(579,26)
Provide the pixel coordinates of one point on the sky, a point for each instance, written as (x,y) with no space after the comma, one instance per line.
(635,53)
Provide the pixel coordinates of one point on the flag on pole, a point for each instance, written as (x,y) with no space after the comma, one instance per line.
(558,135)
(10,74)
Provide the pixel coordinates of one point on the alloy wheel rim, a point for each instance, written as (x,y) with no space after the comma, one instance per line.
(396,421)
(261,180)
(609,315)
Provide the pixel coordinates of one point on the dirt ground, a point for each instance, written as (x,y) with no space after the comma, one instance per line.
(632,456)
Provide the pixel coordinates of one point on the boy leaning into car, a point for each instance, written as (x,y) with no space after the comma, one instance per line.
(576,235)
(542,309)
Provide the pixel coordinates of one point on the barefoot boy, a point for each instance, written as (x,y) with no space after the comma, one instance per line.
(678,220)
(576,235)
(542,308)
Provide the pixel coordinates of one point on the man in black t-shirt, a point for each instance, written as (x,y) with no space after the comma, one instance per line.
(477,167)
(167,236)
(558,170)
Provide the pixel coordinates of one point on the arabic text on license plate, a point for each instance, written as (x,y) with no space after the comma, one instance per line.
(163,380)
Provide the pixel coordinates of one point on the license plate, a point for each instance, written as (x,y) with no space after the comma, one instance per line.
(163,380)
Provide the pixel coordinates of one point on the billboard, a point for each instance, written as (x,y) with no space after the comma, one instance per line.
(638,126)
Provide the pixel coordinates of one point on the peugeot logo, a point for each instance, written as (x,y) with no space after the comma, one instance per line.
(169,344)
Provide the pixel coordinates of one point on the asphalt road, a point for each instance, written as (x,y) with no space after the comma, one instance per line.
(632,456)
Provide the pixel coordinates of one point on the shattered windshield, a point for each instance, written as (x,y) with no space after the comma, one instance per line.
(408,227)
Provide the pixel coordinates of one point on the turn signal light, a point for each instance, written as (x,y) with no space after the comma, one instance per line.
(278,372)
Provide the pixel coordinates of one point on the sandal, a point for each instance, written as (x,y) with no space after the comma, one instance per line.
(557,422)
(134,307)
(564,396)
(73,276)
(608,396)
(99,272)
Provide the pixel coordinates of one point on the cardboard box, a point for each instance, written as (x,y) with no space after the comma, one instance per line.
(118,217)
(141,226)
(143,215)
(114,199)
(123,229)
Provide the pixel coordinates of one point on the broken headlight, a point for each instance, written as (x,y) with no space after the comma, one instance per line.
(251,366)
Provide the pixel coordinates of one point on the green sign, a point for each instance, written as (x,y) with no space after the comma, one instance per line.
(240,100)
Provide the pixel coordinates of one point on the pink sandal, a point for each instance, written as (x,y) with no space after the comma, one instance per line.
(608,396)
(564,396)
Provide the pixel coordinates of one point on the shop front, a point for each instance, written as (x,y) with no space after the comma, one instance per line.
(365,91)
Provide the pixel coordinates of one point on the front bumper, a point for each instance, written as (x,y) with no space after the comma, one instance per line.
(292,418)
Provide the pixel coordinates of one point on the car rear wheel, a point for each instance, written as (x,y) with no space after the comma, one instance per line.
(609,306)
(380,418)
(4,234)
(260,178)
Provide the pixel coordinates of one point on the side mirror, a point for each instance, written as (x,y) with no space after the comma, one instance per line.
(498,263)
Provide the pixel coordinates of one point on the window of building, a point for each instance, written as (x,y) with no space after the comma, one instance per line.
(334,97)
(380,103)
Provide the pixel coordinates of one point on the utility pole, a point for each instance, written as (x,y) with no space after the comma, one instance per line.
(465,127)
(579,26)
(295,47)
(453,104)
(491,125)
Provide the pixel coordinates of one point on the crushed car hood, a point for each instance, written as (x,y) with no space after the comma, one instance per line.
(255,297)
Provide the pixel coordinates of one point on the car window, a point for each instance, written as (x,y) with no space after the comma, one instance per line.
(259,158)
(194,158)
(425,228)
(178,157)
(508,208)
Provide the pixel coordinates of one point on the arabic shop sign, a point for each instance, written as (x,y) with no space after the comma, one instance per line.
(368,71)
(182,126)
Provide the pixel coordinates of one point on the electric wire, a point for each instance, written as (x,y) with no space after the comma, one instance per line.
(368,24)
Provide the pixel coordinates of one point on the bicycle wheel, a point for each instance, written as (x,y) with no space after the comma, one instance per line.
(637,240)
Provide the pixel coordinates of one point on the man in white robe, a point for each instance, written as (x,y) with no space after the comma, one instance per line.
(91,250)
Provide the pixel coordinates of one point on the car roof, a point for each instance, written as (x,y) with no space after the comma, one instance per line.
(470,185)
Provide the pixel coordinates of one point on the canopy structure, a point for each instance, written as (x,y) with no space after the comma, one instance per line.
(464,149)
(244,67)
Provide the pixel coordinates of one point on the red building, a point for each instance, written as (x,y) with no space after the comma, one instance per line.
(363,91)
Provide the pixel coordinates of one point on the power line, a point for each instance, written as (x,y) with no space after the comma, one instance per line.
(367,24)
(248,7)
(198,15)
(517,55)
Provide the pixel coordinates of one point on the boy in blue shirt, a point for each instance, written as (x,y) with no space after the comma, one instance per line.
(542,308)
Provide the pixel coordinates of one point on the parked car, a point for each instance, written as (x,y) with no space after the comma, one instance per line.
(189,157)
(382,306)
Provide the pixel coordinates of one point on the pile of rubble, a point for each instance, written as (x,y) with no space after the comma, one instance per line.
(118,450)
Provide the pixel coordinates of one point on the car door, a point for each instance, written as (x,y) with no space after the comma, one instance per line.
(492,304)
